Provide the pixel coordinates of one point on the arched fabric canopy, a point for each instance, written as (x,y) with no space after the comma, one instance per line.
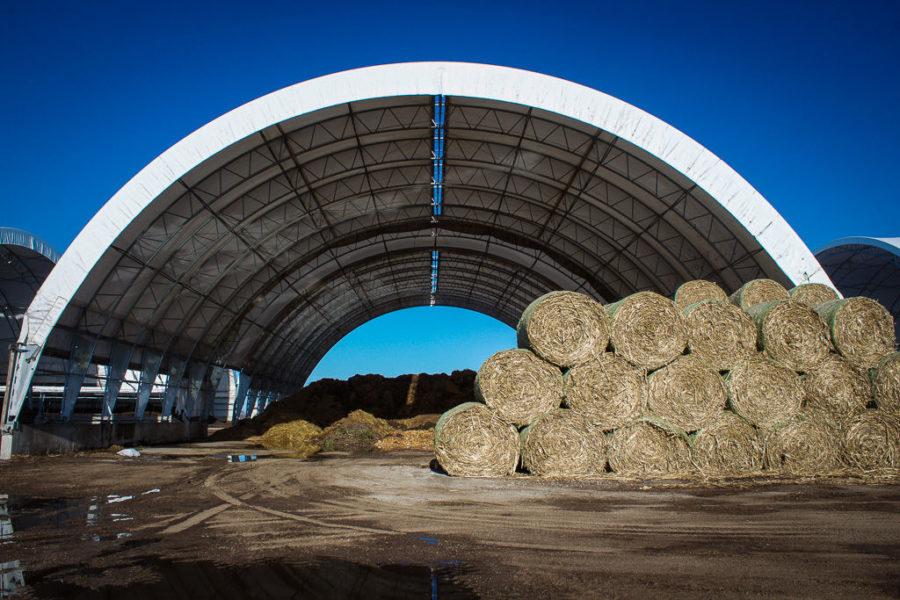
(265,236)
(866,266)
(25,262)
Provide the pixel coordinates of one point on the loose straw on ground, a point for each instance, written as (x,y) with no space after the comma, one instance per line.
(608,391)
(791,334)
(719,333)
(698,290)
(886,384)
(648,448)
(562,443)
(470,440)
(758,291)
(564,328)
(728,447)
(812,294)
(519,385)
(686,394)
(805,446)
(647,330)
(837,391)
(861,329)
(872,442)
(764,393)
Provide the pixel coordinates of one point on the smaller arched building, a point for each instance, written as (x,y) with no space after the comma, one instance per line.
(866,266)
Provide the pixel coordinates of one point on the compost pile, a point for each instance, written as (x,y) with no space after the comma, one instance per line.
(766,381)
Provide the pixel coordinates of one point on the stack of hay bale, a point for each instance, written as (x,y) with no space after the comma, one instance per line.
(798,382)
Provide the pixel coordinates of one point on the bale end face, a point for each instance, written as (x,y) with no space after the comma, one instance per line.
(886,384)
(861,329)
(519,385)
(728,447)
(608,391)
(564,328)
(471,441)
(764,393)
(872,442)
(791,334)
(563,444)
(806,446)
(758,291)
(836,391)
(647,330)
(644,448)
(698,290)
(686,394)
(812,294)
(719,334)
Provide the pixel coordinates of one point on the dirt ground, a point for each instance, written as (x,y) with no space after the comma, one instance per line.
(183,522)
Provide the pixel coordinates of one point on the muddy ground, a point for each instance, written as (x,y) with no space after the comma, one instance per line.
(185,523)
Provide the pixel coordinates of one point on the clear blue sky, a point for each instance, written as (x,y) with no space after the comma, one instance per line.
(801,98)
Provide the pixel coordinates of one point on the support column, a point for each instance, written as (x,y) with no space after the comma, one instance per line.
(79,360)
(240,398)
(173,384)
(119,357)
(149,371)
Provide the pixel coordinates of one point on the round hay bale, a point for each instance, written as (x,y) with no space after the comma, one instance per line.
(647,447)
(872,442)
(886,384)
(647,330)
(608,391)
(812,294)
(758,291)
(519,385)
(764,393)
(562,443)
(837,391)
(470,440)
(805,446)
(686,394)
(698,290)
(730,446)
(719,334)
(791,334)
(564,328)
(862,330)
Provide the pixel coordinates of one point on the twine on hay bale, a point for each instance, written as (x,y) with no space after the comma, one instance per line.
(686,394)
(872,442)
(698,290)
(562,443)
(608,391)
(564,328)
(758,291)
(791,334)
(862,330)
(519,385)
(805,446)
(719,333)
(764,393)
(730,446)
(812,294)
(837,391)
(886,384)
(646,329)
(470,440)
(648,447)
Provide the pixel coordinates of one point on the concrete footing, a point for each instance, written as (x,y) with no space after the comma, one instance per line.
(61,438)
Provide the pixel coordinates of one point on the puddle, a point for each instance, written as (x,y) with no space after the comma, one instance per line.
(150,577)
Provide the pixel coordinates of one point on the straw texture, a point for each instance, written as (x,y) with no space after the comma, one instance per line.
(791,334)
(886,384)
(730,446)
(837,391)
(562,443)
(564,328)
(519,385)
(686,394)
(647,447)
(719,333)
(647,330)
(805,446)
(872,442)
(471,441)
(861,329)
(812,294)
(608,391)
(758,291)
(698,290)
(764,393)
